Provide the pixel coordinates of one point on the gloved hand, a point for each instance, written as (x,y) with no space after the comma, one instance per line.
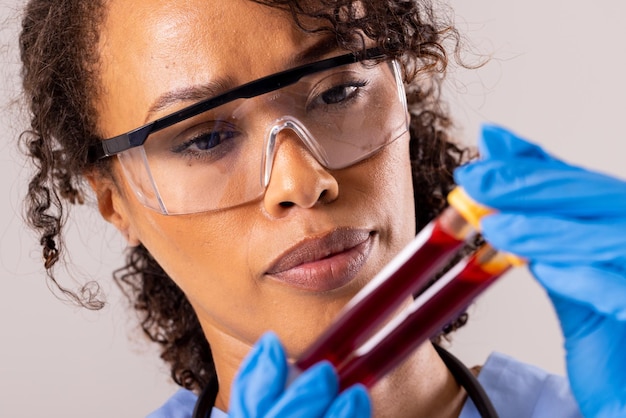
(259,388)
(570,224)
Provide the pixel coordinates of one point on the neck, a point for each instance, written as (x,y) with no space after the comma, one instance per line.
(228,353)
(422,386)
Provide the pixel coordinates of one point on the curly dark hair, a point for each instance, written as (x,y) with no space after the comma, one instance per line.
(58,45)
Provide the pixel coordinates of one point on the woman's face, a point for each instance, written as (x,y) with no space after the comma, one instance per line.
(289,260)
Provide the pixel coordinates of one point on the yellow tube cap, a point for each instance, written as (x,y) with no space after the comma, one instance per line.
(467,207)
(473,212)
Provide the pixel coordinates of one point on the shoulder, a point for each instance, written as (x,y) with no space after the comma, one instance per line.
(518,389)
(179,405)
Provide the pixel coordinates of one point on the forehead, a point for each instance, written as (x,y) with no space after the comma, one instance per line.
(151,47)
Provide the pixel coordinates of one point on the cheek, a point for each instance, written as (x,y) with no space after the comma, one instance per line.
(398,190)
(387,184)
(206,255)
(216,260)
(395,174)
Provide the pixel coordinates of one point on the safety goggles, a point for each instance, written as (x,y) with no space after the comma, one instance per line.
(218,153)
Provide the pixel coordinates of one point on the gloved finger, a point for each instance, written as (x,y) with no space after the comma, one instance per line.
(556,240)
(309,395)
(261,379)
(601,290)
(596,364)
(496,142)
(353,402)
(525,185)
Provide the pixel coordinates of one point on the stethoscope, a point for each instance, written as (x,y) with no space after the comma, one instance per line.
(462,374)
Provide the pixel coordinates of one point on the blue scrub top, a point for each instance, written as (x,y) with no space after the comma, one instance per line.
(519,390)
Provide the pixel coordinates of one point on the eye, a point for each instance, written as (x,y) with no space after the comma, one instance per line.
(207,143)
(339,94)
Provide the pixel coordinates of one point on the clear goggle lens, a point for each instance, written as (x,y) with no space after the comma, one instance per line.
(223,157)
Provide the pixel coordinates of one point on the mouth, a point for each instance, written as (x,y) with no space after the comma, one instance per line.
(325,263)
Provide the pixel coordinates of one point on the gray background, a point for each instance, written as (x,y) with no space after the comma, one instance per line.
(556,76)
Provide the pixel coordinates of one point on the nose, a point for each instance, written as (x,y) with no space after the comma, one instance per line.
(297,178)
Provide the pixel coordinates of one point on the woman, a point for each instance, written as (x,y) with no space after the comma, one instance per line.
(227,244)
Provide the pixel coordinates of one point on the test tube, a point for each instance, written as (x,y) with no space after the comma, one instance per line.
(407,273)
(432,310)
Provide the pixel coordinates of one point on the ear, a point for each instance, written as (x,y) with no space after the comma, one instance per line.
(112,206)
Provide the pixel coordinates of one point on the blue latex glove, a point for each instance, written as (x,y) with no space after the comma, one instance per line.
(259,388)
(570,224)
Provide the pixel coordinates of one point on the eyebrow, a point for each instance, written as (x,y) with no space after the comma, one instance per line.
(203,91)
(190,94)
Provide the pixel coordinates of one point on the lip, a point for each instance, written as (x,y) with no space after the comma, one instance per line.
(323,263)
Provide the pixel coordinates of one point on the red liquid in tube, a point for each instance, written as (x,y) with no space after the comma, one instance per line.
(369,365)
(435,246)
